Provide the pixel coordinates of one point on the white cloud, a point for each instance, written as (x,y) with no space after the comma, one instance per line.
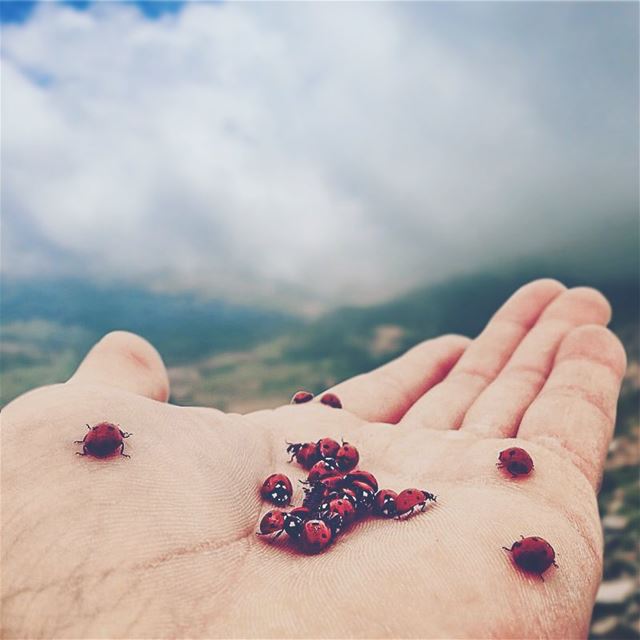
(339,148)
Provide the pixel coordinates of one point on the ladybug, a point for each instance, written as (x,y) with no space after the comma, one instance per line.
(294,520)
(300,397)
(364,495)
(384,503)
(331,400)
(277,489)
(533,554)
(323,469)
(327,448)
(361,476)
(314,496)
(343,508)
(305,454)
(103,440)
(315,536)
(334,521)
(271,522)
(409,499)
(333,483)
(347,457)
(340,494)
(516,460)
(277,522)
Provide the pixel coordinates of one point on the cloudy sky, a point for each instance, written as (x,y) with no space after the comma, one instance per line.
(347,150)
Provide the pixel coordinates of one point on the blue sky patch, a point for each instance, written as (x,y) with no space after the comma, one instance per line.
(18,11)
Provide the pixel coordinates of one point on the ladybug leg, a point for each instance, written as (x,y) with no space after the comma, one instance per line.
(80,454)
(122,453)
(555,564)
(88,427)
(424,506)
(124,434)
(78,441)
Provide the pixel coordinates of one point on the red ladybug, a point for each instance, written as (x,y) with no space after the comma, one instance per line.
(327,448)
(272,522)
(347,457)
(294,520)
(409,499)
(277,522)
(361,476)
(343,508)
(323,469)
(277,489)
(364,495)
(516,461)
(305,454)
(333,483)
(103,440)
(534,554)
(384,503)
(315,536)
(331,400)
(300,397)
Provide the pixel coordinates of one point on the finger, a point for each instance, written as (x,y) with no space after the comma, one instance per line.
(444,406)
(385,394)
(126,361)
(576,408)
(500,407)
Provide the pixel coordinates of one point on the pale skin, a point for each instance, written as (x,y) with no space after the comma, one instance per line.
(164,544)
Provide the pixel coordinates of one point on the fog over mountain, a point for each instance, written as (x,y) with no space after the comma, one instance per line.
(342,152)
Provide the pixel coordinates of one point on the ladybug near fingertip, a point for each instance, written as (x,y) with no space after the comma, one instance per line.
(103,440)
(516,461)
(301,397)
(277,489)
(532,554)
(331,400)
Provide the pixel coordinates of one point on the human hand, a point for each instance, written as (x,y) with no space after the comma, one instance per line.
(164,545)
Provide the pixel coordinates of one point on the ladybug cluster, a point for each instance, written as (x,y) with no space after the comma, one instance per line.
(336,493)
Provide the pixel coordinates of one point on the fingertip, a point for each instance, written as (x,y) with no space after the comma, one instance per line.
(594,300)
(595,343)
(128,361)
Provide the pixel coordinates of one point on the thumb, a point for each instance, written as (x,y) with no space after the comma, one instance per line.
(127,361)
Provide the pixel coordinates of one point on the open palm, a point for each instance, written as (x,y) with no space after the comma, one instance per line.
(164,545)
